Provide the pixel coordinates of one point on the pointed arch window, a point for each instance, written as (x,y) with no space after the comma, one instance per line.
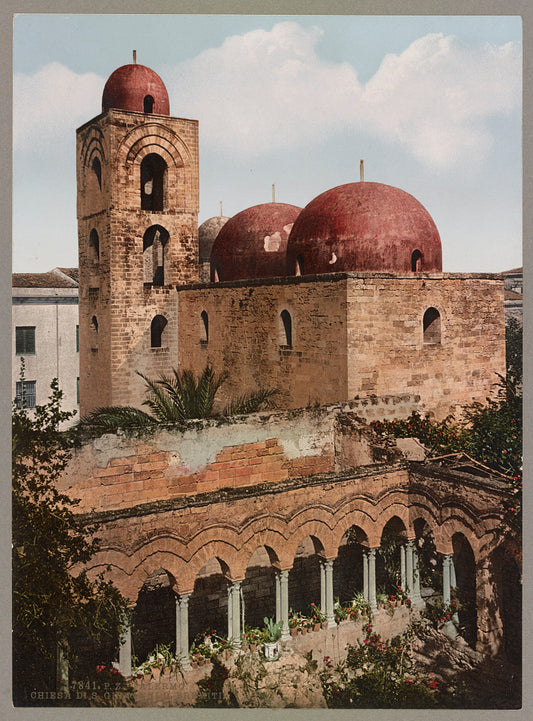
(416,261)
(215,273)
(148,104)
(155,242)
(157,327)
(432,326)
(153,182)
(286,328)
(97,170)
(94,246)
(204,327)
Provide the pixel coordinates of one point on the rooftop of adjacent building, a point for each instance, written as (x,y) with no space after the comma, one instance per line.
(56,278)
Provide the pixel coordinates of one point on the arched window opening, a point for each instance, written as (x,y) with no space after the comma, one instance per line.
(94,324)
(156,331)
(431,325)
(94,247)
(153,178)
(97,170)
(148,104)
(204,330)
(300,265)
(286,329)
(154,249)
(416,261)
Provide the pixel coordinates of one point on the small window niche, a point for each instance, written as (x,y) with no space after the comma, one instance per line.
(204,328)
(157,328)
(431,327)
(215,273)
(153,182)
(285,329)
(154,250)
(97,170)
(94,333)
(148,104)
(94,247)
(416,261)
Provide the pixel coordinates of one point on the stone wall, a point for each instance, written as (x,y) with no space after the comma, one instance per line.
(387,352)
(353,336)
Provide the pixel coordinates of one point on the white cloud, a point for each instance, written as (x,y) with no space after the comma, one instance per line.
(269,90)
(52,102)
(437,97)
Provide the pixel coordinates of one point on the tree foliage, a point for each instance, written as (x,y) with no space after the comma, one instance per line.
(54,604)
(174,399)
(490,434)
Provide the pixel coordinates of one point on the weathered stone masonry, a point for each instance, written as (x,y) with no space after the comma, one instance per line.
(192,508)
(353,335)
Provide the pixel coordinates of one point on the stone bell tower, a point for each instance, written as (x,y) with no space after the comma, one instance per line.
(137,205)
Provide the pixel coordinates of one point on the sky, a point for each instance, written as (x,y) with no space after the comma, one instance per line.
(432,104)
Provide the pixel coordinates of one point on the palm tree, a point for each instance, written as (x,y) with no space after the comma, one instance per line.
(174,399)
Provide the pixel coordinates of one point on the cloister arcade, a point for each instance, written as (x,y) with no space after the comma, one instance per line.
(227,576)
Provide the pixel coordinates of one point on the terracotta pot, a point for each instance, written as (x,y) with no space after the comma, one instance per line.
(253,647)
(316,627)
(201,661)
(147,677)
(293,631)
(244,647)
(166,671)
(156,673)
(194,664)
(324,624)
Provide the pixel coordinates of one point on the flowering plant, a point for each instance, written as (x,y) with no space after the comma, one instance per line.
(316,614)
(252,635)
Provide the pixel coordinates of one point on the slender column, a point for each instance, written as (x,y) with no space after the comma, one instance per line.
(330,611)
(403,576)
(365,574)
(235,598)
(409,568)
(322,587)
(230,612)
(278,596)
(416,577)
(372,579)
(124,649)
(446,578)
(453,584)
(182,630)
(284,604)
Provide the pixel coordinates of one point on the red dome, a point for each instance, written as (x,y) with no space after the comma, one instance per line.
(364,227)
(136,87)
(253,244)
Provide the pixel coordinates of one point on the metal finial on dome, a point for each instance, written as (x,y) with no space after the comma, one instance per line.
(134,57)
(221,213)
(362,170)
(273,192)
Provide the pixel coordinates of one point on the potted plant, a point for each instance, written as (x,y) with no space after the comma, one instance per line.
(294,622)
(271,636)
(317,617)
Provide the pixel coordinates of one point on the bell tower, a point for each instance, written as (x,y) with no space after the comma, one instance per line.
(137,205)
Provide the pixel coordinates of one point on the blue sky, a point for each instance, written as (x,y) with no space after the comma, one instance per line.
(432,104)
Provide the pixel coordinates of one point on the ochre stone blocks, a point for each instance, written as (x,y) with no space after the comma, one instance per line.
(343,348)
(112,284)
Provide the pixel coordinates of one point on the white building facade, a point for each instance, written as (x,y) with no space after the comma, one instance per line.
(45,332)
